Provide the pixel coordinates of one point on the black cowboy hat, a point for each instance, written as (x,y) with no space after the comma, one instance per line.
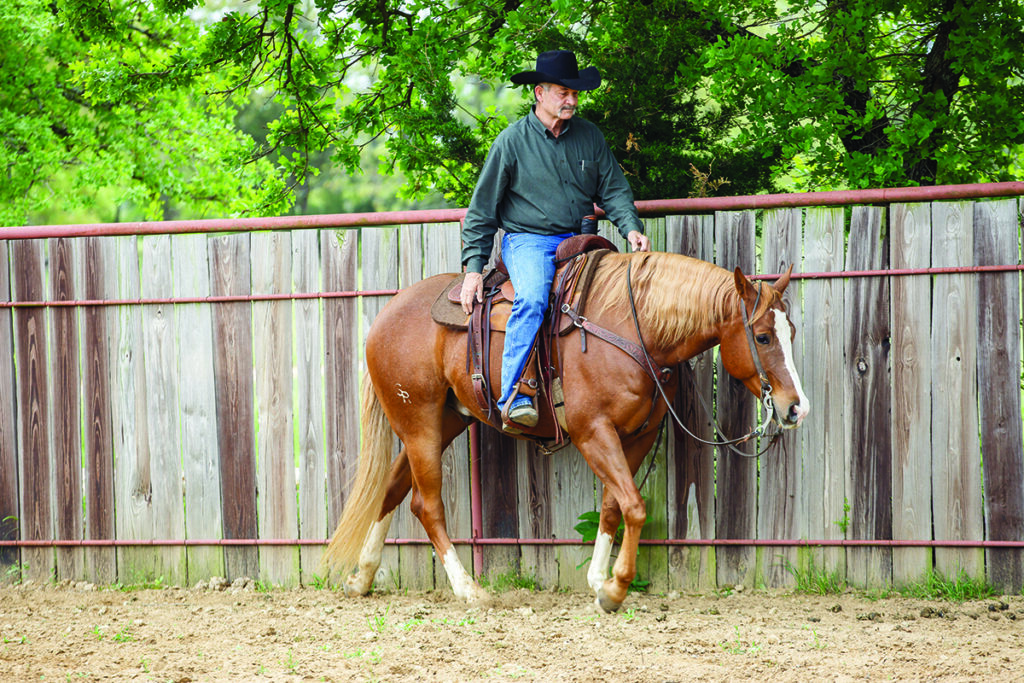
(560,67)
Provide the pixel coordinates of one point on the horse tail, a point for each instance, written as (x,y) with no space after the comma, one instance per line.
(367,492)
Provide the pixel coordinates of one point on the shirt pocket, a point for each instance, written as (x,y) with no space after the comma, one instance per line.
(589,173)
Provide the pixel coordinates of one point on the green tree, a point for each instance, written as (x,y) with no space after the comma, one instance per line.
(74,131)
(140,95)
(879,93)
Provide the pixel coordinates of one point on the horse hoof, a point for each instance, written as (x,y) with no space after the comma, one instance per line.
(606,604)
(355,586)
(480,598)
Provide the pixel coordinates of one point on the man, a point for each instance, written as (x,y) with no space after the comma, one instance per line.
(543,174)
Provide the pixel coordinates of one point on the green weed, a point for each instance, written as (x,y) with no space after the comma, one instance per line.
(934,586)
(124,635)
(844,523)
(815,640)
(738,646)
(813,580)
(511,580)
(379,622)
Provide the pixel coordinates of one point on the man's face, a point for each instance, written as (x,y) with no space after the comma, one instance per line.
(557,101)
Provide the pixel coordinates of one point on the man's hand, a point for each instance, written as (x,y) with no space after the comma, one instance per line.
(637,241)
(472,290)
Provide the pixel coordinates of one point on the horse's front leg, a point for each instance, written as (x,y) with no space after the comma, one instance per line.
(621,500)
(611,516)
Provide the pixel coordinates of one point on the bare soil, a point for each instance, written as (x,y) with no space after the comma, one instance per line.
(77,632)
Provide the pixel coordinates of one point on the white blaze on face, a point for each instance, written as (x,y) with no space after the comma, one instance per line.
(598,571)
(782,333)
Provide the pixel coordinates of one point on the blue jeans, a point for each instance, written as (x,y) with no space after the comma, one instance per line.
(530,261)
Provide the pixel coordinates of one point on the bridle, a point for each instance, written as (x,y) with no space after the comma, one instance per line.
(766,387)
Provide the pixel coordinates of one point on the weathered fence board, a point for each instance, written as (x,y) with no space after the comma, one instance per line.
(98,341)
(66,430)
(277,505)
(309,400)
(533,483)
(910,242)
(737,475)
(198,407)
(233,369)
(9,499)
(34,401)
(240,419)
(956,452)
(999,350)
(869,454)
(822,507)
(499,486)
(132,488)
(162,416)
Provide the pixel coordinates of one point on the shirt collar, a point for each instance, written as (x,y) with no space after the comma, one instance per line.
(541,128)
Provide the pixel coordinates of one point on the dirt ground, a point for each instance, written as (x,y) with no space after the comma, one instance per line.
(77,632)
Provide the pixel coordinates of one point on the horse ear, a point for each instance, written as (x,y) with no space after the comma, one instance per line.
(744,286)
(783,282)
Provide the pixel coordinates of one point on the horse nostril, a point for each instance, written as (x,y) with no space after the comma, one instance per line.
(793,414)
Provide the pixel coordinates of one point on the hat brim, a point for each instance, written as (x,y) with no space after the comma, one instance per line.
(589,79)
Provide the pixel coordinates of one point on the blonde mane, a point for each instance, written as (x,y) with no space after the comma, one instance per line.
(675,295)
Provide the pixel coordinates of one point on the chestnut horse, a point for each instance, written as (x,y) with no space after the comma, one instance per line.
(417,388)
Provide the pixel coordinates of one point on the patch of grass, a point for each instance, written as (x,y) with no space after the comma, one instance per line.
(934,586)
(154,584)
(318,582)
(378,623)
(844,523)
(124,635)
(412,624)
(813,580)
(261,586)
(738,646)
(816,641)
(510,580)
(15,573)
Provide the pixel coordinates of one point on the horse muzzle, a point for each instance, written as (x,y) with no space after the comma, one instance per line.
(792,416)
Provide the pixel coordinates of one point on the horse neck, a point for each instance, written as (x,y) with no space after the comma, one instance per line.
(684,306)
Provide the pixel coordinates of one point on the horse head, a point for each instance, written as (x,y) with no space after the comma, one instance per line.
(757,348)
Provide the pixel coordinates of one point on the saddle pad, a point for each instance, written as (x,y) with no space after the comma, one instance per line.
(446,309)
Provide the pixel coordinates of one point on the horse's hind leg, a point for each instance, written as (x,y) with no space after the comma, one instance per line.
(425,460)
(399,483)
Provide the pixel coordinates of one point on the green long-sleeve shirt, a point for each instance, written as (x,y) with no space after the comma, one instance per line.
(535,182)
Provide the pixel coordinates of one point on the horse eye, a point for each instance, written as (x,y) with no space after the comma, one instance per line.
(763,339)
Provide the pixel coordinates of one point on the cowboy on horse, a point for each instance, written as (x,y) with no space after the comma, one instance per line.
(542,176)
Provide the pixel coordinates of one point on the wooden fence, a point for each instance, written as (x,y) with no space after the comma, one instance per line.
(181,418)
